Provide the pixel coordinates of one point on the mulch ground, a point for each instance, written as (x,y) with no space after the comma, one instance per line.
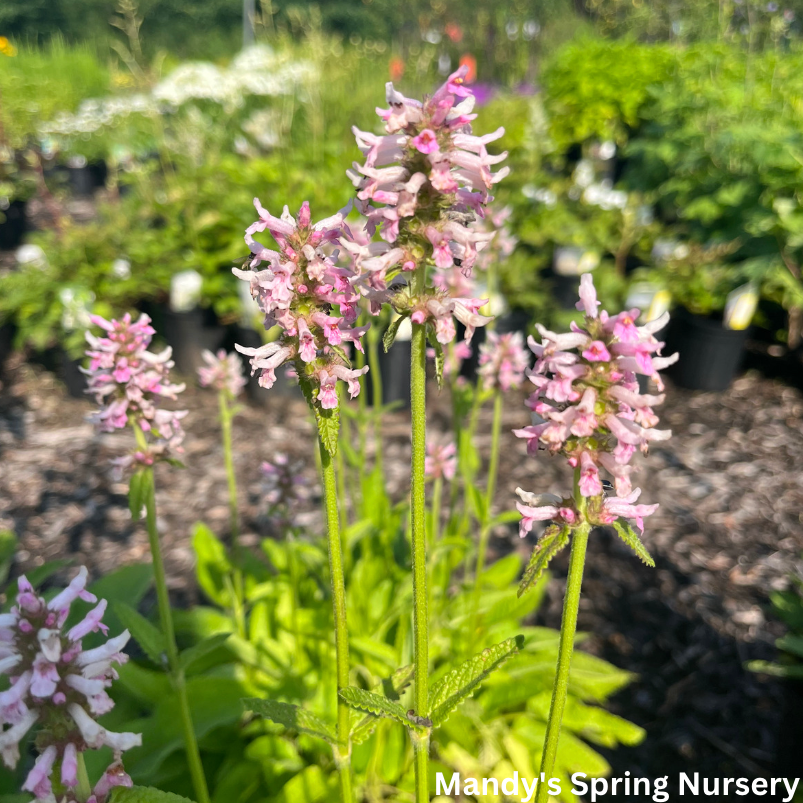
(728,533)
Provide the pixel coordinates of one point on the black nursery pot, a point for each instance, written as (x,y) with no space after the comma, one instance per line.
(565,290)
(188,334)
(86,179)
(69,372)
(7,332)
(710,354)
(394,368)
(14,225)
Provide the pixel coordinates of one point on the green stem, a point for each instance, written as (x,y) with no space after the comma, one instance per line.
(421,751)
(343,748)
(176,672)
(437,493)
(228,456)
(568,627)
(485,530)
(84,789)
(419,538)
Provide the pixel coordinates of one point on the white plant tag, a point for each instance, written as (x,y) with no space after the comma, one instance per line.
(185,291)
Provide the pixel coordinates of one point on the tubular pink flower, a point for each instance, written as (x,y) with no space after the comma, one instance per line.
(69,766)
(588,296)
(590,483)
(38,780)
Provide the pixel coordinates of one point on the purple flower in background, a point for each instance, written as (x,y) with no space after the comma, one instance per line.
(222,372)
(483,93)
(441,460)
(503,361)
(60,686)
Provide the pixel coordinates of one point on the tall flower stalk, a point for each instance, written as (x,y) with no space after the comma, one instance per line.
(224,373)
(313,302)
(588,408)
(129,384)
(422,184)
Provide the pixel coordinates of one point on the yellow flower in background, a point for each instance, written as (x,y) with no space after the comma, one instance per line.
(6,48)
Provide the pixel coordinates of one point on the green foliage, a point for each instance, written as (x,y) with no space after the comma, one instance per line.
(375,704)
(553,540)
(459,684)
(147,635)
(145,794)
(787,606)
(631,538)
(291,717)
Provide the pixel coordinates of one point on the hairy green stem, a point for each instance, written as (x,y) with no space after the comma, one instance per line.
(419,541)
(568,628)
(226,418)
(343,748)
(421,753)
(176,672)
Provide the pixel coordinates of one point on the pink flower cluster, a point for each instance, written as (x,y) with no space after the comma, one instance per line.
(223,372)
(421,187)
(130,383)
(60,686)
(503,361)
(309,297)
(441,460)
(589,408)
(285,485)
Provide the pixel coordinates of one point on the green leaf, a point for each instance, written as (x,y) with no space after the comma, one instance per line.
(138,488)
(630,537)
(392,331)
(292,717)
(550,543)
(376,704)
(145,794)
(213,564)
(392,689)
(202,649)
(8,545)
(439,358)
(147,635)
(459,684)
(128,584)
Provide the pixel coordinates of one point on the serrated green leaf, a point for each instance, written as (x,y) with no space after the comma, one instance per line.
(459,684)
(376,704)
(439,358)
(293,717)
(550,543)
(391,332)
(391,688)
(631,538)
(328,428)
(145,794)
(145,634)
(200,650)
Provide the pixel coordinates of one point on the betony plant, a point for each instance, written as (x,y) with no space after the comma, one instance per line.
(589,409)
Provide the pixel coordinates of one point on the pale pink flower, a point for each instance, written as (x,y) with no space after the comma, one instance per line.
(131,383)
(503,361)
(53,679)
(223,372)
(441,460)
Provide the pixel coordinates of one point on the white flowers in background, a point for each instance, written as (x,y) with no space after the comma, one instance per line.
(96,113)
(604,196)
(264,127)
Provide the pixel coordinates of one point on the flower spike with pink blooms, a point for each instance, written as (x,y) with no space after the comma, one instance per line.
(222,372)
(422,187)
(130,383)
(503,361)
(310,298)
(589,408)
(57,684)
